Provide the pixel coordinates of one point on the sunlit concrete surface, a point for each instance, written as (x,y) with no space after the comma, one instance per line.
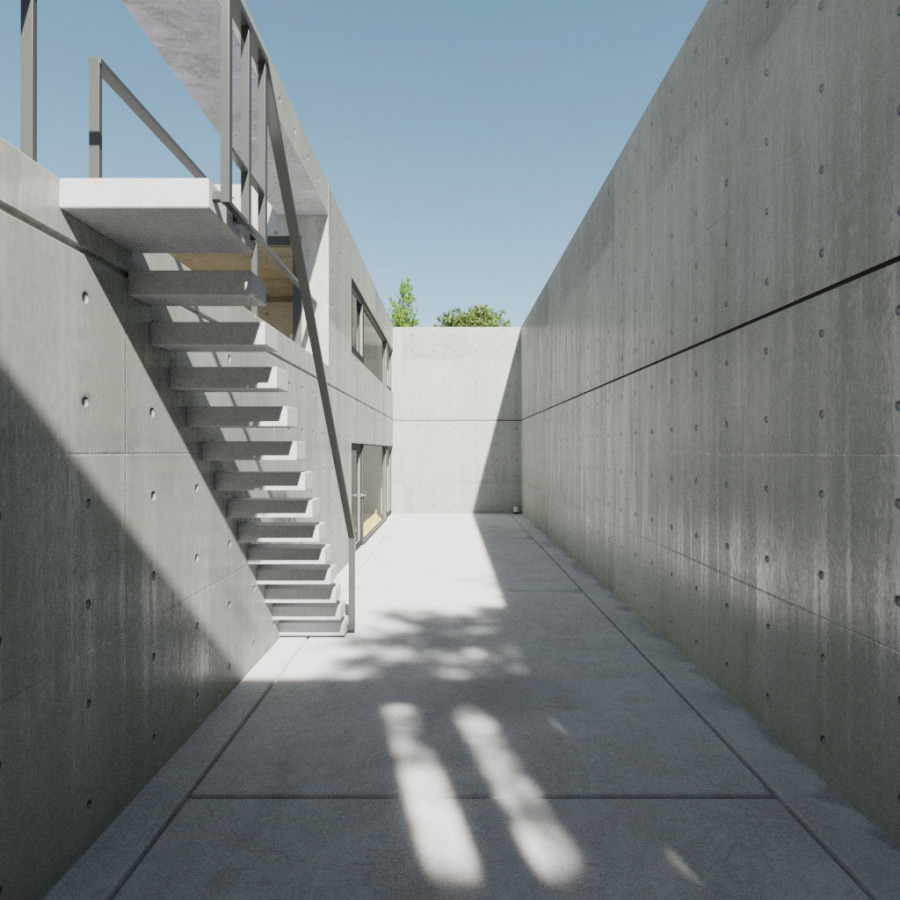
(498,726)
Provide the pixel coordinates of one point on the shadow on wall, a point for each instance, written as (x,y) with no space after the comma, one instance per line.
(495,737)
(500,486)
(111,653)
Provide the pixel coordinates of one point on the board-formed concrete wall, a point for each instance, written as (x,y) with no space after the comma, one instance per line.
(710,378)
(457,412)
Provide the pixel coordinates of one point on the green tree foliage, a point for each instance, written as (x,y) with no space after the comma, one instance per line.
(480,316)
(403,309)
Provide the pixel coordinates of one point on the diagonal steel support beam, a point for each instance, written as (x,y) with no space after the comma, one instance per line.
(303,295)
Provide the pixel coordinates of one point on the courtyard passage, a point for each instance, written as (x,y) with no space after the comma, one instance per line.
(498,726)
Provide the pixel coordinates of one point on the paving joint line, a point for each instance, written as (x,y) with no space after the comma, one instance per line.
(206,770)
(775,794)
(481,796)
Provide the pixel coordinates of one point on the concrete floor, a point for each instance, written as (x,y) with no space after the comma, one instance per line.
(498,726)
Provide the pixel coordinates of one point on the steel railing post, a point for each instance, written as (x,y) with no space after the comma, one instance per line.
(28,96)
(95,117)
(225,100)
(303,295)
(262,147)
(245,141)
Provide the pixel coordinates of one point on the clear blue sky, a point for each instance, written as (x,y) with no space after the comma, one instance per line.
(463,141)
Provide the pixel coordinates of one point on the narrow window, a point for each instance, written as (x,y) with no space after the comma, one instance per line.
(368,343)
(371,479)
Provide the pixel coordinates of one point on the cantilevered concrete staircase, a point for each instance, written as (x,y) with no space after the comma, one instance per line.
(250,453)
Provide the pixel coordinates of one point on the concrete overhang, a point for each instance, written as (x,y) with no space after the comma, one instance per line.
(187,37)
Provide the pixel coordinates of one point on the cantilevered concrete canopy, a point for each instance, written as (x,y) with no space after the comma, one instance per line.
(187,36)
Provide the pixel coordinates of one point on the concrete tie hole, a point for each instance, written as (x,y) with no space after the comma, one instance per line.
(85,401)
(85,297)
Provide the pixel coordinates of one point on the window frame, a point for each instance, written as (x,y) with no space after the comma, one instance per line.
(360,313)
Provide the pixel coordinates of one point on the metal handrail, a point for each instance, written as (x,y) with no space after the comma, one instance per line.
(100,72)
(302,292)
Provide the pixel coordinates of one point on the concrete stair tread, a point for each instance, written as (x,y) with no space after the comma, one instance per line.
(287,451)
(246,417)
(324,608)
(269,508)
(278,553)
(297,572)
(262,532)
(311,590)
(262,481)
(212,379)
(189,288)
(314,626)
(214,336)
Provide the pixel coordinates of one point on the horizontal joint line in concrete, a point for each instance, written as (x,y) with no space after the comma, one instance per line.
(453,419)
(51,673)
(488,797)
(126,453)
(766,593)
(762,316)
(57,236)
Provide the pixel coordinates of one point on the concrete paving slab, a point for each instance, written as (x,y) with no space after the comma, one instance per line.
(606,848)
(473,740)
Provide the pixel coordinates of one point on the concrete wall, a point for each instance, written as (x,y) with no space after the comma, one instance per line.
(711,372)
(127,609)
(457,418)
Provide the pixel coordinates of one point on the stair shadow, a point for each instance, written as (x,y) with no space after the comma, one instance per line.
(108,662)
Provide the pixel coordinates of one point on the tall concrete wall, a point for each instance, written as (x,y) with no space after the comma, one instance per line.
(457,418)
(127,609)
(711,373)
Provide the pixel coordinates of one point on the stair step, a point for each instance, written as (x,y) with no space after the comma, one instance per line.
(263,481)
(277,451)
(267,508)
(237,378)
(214,336)
(290,485)
(287,553)
(292,573)
(253,532)
(197,288)
(285,609)
(311,590)
(240,416)
(313,627)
